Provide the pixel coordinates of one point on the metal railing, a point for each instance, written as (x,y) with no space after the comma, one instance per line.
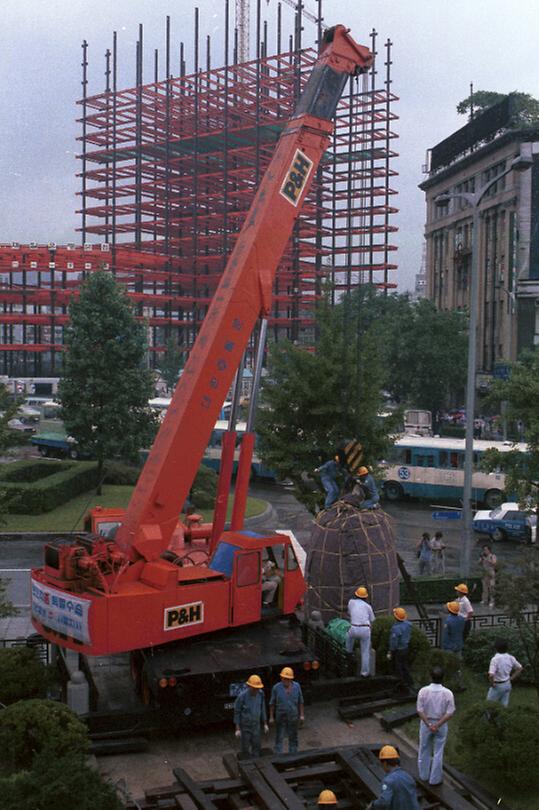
(488,621)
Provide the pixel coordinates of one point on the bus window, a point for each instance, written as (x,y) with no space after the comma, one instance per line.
(444,459)
(423,460)
(455,460)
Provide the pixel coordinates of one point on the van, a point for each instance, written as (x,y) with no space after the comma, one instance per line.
(418,422)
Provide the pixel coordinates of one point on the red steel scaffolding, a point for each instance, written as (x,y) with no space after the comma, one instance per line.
(169,169)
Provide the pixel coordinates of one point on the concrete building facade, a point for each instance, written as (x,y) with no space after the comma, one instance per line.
(508,237)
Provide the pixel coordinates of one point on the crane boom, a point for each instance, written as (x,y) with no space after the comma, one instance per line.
(100,595)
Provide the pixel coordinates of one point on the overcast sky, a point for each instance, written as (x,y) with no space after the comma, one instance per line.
(439,48)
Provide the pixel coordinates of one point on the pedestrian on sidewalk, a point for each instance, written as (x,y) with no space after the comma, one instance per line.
(399,790)
(361,617)
(399,641)
(287,710)
(435,706)
(488,562)
(424,555)
(250,716)
(437,546)
(465,607)
(502,671)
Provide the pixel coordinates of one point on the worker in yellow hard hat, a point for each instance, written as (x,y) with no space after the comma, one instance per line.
(465,607)
(372,497)
(250,716)
(399,642)
(287,710)
(398,787)
(327,797)
(361,617)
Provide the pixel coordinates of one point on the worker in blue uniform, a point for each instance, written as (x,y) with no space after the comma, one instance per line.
(329,472)
(368,483)
(399,790)
(250,716)
(453,629)
(287,710)
(399,641)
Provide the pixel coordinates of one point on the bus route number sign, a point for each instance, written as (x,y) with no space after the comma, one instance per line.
(404,473)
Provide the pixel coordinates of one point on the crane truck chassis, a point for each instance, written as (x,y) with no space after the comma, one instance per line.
(101,595)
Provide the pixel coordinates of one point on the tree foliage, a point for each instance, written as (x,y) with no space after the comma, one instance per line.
(501,743)
(171,363)
(31,726)
(521,392)
(367,344)
(526,106)
(105,385)
(518,591)
(22,675)
(311,402)
(60,783)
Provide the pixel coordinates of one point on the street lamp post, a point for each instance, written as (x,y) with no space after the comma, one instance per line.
(520,163)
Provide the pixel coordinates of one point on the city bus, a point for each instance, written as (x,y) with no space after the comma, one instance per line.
(433,468)
(212,456)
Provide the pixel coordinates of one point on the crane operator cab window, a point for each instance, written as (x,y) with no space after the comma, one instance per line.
(272,576)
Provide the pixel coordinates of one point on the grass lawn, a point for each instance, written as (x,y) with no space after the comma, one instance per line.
(476,691)
(69,516)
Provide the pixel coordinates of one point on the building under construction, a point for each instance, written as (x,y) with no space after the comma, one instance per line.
(169,168)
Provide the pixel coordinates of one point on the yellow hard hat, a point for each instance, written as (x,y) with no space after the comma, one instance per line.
(255,681)
(462,588)
(388,752)
(400,614)
(453,607)
(327,797)
(287,672)
(363,471)
(362,592)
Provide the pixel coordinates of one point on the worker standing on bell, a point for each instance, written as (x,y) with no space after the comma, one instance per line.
(399,790)
(287,710)
(250,716)
(329,471)
(399,641)
(361,618)
(368,483)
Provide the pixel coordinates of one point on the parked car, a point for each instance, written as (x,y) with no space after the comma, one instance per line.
(507,521)
(16,424)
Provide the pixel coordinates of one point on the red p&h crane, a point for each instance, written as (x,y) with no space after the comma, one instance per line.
(100,596)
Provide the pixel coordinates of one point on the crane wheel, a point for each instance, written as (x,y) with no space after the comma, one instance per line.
(135,667)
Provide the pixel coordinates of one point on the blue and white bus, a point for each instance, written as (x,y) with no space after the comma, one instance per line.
(433,467)
(212,456)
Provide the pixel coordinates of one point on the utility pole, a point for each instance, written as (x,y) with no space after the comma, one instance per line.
(242,24)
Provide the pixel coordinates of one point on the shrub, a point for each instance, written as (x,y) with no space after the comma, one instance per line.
(69,480)
(479,649)
(32,726)
(121,474)
(418,649)
(204,488)
(62,784)
(22,675)
(492,740)
(438,590)
(28,471)
(448,661)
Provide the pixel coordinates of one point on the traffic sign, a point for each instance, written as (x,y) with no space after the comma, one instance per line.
(456,515)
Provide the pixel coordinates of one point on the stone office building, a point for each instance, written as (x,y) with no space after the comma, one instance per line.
(508,236)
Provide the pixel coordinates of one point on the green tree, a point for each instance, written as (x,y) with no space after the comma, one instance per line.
(311,402)
(6,607)
(426,353)
(22,675)
(171,363)
(54,782)
(518,591)
(526,106)
(105,385)
(521,392)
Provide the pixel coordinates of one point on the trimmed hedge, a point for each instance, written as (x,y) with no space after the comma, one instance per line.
(439,590)
(479,649)
(419,646)
(28,471)
(42,495)
(22,675)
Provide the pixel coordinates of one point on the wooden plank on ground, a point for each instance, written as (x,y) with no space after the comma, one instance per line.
(397,717)
(184,802)
(263,792)
(278,785)
(444,794)
(367,708)
(360,773)
(194,791)
(471,786)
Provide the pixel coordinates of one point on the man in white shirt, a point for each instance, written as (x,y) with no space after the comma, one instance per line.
(361,618)
(502,671)
(435,706)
